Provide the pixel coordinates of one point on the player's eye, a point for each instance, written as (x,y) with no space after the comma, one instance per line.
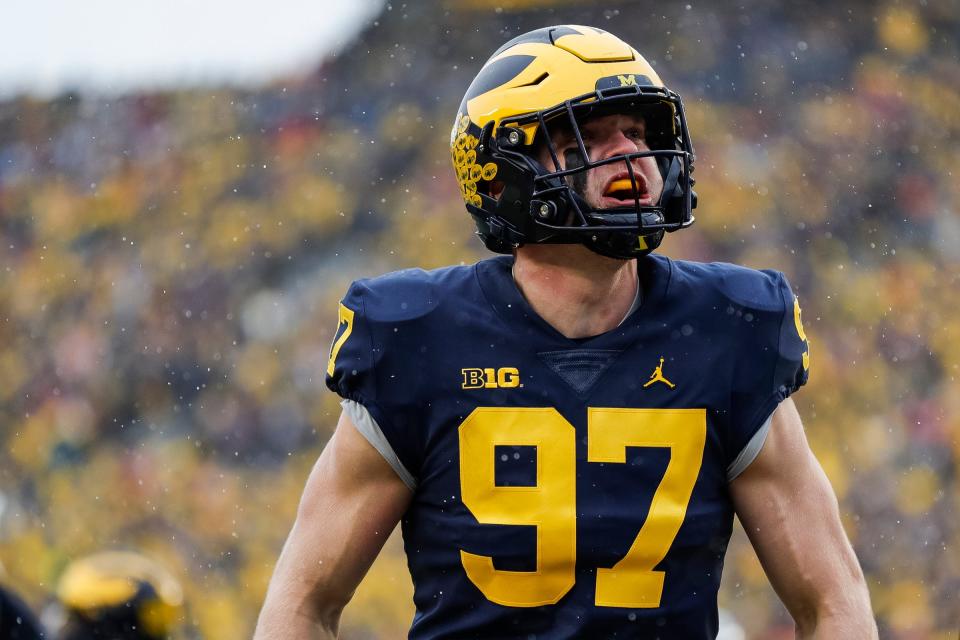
(573,159)
(573,146)
(635,133)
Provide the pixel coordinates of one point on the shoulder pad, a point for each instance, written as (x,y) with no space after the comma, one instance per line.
(758,316)
(374,355)
(744,287)
(399,296)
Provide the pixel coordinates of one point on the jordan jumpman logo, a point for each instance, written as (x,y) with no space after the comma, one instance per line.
(657,376)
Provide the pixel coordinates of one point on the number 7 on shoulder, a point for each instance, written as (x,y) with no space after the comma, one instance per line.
(345,320)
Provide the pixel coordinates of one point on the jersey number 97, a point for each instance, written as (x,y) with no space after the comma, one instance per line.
(550,505)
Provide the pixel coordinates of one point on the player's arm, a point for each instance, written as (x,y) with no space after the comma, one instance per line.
(789,510)
(353,499)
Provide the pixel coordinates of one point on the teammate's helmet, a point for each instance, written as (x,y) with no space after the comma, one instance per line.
(555,78)
(119,595)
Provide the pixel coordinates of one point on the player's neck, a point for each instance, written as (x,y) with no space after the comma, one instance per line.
(578,292)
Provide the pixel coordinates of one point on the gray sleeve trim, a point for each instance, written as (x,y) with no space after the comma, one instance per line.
(370,430)
(750,451)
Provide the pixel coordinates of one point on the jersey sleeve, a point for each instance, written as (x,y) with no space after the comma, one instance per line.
(773,362)
(360,361)
(350,368)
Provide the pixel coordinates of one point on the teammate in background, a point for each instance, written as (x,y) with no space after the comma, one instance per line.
(567,431)
(17,622)
(119,596)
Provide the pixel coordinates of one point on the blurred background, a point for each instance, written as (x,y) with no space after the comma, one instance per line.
(176,234)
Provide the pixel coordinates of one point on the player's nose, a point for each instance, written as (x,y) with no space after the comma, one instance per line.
(617,143)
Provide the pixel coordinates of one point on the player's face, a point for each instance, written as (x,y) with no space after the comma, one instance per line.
(608,185)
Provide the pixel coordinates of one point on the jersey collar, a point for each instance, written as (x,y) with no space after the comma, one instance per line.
(504,296)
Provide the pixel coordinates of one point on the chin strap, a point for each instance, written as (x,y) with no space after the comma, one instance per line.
(671,187)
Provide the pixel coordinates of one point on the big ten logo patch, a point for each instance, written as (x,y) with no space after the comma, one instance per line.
(490,378)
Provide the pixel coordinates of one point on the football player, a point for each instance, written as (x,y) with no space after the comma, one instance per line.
(119,595)
(17,621)
(566,431)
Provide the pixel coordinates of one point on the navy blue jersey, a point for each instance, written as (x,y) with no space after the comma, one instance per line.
(567,488)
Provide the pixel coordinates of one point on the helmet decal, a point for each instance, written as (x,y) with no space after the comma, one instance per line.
(469,172)
(498,73)
(623,80)
(594,45)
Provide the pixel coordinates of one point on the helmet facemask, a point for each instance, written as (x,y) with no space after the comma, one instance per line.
(558,208)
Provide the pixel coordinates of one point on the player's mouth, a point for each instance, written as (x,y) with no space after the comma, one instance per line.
(619,191)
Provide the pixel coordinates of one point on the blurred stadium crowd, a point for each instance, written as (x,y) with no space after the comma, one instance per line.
(172,262)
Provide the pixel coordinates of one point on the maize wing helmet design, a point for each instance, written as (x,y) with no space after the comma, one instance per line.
(553,79)
(120,595)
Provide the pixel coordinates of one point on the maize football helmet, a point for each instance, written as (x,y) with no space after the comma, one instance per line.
(121,596)
(555,79)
